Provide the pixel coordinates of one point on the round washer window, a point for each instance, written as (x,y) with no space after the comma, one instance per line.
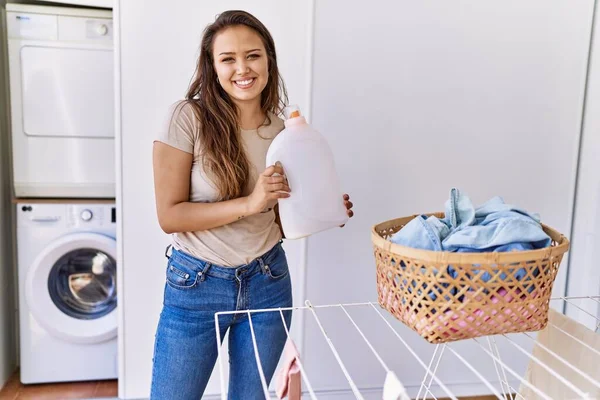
(83,283)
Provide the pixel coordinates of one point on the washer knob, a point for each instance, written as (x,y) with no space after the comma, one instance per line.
(86,215)
(102,29)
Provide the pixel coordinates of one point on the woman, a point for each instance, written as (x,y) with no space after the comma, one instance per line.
(217,199)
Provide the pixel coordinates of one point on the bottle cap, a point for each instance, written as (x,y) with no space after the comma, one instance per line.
(291,111)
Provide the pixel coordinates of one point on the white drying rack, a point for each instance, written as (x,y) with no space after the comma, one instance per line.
(506,390)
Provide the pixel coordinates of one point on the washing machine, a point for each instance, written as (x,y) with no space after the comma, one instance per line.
(61,73)
(67,276)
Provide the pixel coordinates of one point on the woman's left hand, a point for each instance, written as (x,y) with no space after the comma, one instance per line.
(348,205)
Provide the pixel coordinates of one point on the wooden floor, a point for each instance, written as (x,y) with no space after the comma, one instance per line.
(15,390)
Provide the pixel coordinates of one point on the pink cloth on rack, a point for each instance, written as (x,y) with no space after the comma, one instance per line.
(289,380)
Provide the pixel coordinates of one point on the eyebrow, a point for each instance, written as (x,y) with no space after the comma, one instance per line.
(232,53)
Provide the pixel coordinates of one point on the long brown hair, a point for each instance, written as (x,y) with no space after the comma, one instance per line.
(223,151)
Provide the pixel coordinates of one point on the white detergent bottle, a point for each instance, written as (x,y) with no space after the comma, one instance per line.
(316,200)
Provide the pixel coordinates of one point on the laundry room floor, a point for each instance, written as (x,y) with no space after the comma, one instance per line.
(94,390)
(15,390)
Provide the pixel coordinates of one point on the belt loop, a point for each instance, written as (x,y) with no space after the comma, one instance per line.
(167,251)
(261,262)
(204,271)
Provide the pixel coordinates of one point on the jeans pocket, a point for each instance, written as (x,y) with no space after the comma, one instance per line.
(181,276)
(277,268)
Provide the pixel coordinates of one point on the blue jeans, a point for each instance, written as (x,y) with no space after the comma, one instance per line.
(185,349)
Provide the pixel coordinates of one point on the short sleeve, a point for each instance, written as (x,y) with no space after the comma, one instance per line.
(180,127)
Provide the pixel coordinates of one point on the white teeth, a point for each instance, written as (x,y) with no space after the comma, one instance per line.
(244,83)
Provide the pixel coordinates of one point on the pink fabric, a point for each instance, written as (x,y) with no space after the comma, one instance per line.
(289,380)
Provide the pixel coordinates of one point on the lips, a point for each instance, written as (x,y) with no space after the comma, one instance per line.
(245,83)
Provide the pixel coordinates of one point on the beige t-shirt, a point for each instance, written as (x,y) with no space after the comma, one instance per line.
(242,241)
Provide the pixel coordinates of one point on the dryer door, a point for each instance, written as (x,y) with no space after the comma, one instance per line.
(71,288)
(67,92)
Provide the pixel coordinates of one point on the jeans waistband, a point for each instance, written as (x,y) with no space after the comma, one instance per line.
(219,271)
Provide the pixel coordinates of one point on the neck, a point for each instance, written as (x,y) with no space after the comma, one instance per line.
(250,115)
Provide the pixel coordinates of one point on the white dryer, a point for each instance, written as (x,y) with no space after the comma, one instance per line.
(62,101)
(67,291)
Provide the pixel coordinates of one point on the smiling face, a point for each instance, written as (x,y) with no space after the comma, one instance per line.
(241,63)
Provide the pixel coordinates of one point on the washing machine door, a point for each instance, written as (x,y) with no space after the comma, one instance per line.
(72,288)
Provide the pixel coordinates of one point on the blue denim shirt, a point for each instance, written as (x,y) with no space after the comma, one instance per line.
(493,226)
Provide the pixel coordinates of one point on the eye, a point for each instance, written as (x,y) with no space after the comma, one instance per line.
(227,60)
(253,56)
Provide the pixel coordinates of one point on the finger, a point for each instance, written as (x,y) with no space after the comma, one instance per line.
(269,171)
(346,196)
(276,179)
(278,195)
(278,187)
(273,169)
(278,164)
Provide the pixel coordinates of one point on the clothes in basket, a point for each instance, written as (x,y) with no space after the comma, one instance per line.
(492,227)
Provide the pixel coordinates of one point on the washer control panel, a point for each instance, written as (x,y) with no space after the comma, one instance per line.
(69,215)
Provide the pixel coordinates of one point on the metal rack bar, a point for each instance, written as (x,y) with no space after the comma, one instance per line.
(220,356)
(414,354)
(590,348)
(547,368)
(513,373)
(477,374)
(507,391)
(427,386)
(261,373)
(581,309)
(383,364)
(311,392)
(335,353)
(561,359)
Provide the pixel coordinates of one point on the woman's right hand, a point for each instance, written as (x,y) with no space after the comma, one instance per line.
(269,186)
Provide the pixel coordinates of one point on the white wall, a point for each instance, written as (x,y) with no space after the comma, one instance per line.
(400,89)
(417,97)
(584,276)
(8,358)
(158,51)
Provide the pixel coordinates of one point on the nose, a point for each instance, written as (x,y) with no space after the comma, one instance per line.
(242,67)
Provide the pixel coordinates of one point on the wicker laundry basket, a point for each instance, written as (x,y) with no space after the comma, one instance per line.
(446,296)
